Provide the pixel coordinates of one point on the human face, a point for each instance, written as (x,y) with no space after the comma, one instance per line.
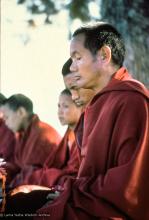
(13,119)
(79,95)
(85,66)
(68,112)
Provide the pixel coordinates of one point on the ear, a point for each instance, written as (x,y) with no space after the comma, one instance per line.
(22,111)
(105,54)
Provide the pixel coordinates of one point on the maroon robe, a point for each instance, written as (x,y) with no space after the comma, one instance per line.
(33,146)
(7,142)
(65,163)
(113,179)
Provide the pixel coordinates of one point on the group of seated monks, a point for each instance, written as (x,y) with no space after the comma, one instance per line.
(99,169)
(34,156)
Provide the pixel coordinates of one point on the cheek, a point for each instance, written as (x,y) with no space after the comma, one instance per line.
(66,114)
(15,124)
(81,83)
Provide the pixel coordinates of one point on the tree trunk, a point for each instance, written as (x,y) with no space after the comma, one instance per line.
(131,19)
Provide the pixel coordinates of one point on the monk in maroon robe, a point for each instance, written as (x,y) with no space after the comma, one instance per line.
(7,138)
(7,142)
(65,164)
(66,160)
(113,178)
(35,140)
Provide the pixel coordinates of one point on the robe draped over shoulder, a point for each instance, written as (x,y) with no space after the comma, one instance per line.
(7,142)
(33,146)
(113,178)
(66,163)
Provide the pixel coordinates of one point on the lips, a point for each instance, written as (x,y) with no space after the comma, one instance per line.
(78,103)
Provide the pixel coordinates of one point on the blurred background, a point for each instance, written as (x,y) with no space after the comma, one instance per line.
(35,38)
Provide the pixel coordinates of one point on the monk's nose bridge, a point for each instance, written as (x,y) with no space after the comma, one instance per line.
(73,66)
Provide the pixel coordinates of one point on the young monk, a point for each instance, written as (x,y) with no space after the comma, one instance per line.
(81,97)
(113,177)
(66,161)
(65,164)
(35,142)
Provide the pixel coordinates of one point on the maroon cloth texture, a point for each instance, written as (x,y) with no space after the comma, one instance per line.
(7,142)
(113,179)
(65,163)
(33,146)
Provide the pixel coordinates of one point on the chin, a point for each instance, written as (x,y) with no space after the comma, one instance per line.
(63,122)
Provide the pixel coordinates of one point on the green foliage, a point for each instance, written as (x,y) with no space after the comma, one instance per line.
(21,1)
(79,9)
(129,16)
(131,19)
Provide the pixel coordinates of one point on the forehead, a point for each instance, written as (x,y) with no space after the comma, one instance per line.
(65,98)
(7,109)
(77,44)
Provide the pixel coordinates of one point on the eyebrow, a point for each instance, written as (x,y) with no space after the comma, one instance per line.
(73,53)
(73,88)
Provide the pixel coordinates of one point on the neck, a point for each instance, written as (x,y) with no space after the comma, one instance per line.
(72,127)
(104,79)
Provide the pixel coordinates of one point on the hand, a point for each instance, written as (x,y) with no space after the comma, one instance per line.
(52,196)
(55,192)
(2,161)
(2,172)
(2,169)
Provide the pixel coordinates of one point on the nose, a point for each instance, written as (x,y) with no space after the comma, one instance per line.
(60,111)
(73,67)
(74,95)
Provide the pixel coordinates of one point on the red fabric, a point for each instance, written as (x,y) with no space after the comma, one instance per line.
(33,147)
(113,179)
(65,163)
(7,142)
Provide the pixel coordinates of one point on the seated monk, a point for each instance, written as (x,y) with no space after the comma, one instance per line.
(7,137)
(66,161)
(113,177)
(35,140)
(20,199)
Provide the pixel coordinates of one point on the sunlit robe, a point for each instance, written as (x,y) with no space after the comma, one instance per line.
(113,179)
(65,163)
(39,142)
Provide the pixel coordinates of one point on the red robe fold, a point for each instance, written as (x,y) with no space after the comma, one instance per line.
(113,179)
(32,148)
(65,163)
(7,142)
